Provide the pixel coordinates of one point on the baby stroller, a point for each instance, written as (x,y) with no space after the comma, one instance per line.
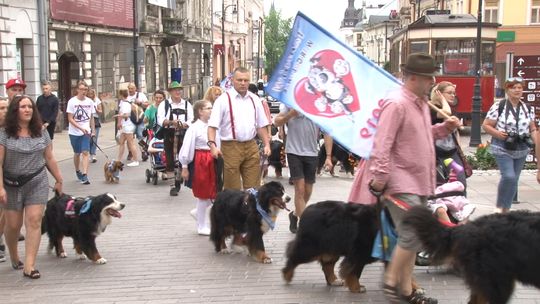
(158,161)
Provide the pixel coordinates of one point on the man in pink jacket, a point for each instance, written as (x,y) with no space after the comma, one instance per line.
(402,164)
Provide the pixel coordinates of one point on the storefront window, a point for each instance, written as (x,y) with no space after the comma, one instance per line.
(419,47)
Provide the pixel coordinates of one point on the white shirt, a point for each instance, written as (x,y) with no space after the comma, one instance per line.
(248,115)
(137,96)
(82,111)
(196,138)
(161,115)
(125,108)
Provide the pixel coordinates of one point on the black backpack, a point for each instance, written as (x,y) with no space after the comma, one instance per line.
(133,117)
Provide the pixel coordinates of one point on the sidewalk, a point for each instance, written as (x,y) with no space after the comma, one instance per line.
(155,256)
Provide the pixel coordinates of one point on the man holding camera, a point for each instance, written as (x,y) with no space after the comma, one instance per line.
(510,123)
(175,115)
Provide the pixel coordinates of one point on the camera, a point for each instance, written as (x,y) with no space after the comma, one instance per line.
(526,138)
(511,142)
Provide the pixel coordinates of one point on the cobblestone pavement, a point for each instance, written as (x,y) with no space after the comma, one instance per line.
(155,256)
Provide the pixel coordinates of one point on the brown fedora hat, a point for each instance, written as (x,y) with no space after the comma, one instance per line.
(420,64)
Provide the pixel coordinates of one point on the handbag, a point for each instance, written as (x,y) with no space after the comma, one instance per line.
(21,180)
(467,168)
(446,145)
(387,235)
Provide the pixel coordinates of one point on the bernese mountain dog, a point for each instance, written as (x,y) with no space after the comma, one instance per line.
(329,230)
(491,252)
(348,160)
(246,215)
(83,219)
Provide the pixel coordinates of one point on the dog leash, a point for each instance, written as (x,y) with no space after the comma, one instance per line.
(93,139)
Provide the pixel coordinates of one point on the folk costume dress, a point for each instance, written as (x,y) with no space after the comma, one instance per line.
(195,149)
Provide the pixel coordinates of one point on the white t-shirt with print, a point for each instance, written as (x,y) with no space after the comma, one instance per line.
(82,111)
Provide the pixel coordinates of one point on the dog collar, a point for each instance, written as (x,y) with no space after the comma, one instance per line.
(86,206)
(269,220)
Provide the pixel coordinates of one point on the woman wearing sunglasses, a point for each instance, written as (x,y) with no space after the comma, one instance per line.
(511,125)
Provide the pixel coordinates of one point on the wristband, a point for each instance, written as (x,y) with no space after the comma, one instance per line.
(210,142)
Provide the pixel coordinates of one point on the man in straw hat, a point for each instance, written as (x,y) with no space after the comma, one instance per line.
(176,115)
(402,166)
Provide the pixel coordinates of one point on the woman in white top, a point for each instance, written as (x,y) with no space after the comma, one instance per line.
(97,124)
(126,128)
(196,153)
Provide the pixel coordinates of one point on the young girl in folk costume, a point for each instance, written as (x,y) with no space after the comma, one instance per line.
(195,150)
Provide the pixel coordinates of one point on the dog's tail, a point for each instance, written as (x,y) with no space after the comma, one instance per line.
(435,236)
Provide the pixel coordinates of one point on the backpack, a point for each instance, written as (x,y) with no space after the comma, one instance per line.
(137,115)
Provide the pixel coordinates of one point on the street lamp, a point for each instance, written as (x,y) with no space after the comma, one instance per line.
(477,98)
(223,9)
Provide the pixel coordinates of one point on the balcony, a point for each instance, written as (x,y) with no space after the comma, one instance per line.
(173,26)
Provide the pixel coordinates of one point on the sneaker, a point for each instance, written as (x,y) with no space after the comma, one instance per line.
(203,231)
(85,180)
(94,159)
(133,164)
(79,175)
(173,191)
(293,225)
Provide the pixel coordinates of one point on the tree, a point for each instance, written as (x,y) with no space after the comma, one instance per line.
(276,35)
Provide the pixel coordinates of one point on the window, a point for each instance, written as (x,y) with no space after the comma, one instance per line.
(358,39)
(535,11)
(419,47)
(491,11)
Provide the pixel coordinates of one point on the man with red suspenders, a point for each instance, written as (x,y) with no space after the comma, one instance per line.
(238,116)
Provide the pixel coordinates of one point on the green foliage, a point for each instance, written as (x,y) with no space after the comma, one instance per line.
(276,34)
(482,159)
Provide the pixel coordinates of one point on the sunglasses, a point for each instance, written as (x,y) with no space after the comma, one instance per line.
(514,79)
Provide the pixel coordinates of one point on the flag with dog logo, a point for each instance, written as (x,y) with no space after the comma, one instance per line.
(336,87)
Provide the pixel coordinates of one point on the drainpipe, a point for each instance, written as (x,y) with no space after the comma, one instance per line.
(43,34)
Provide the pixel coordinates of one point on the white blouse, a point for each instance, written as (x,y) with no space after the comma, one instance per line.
(196,138)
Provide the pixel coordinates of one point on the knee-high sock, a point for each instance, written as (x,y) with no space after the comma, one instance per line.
(202,205)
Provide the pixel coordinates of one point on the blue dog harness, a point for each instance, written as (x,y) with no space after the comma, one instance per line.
(70,207)
(267,218)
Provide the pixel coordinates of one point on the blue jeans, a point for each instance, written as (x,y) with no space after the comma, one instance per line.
(510,169)
(92,145)
(139,130)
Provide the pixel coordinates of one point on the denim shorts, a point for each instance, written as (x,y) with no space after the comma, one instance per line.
(80,143)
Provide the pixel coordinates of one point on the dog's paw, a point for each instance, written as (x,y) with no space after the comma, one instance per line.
(101,261)
(62,255)
(225,251)
(238,249)
(337,282)
(81,256)
(267,260)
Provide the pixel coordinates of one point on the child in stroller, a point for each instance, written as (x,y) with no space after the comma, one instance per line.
(158,161)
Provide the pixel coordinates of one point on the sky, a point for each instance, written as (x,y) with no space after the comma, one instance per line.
(327,13)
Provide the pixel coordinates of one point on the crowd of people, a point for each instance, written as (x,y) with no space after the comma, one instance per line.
(222,141)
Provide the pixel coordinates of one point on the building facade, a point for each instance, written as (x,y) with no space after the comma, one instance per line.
(21,34)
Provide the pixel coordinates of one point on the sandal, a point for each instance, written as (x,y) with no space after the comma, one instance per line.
(17,265)
(391,293)
(416,298)
(34,274)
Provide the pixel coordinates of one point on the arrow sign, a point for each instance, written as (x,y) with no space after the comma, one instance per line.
(520,61)
(520,73)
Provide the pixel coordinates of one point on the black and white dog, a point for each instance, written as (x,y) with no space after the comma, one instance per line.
(247,215)
(83,219)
